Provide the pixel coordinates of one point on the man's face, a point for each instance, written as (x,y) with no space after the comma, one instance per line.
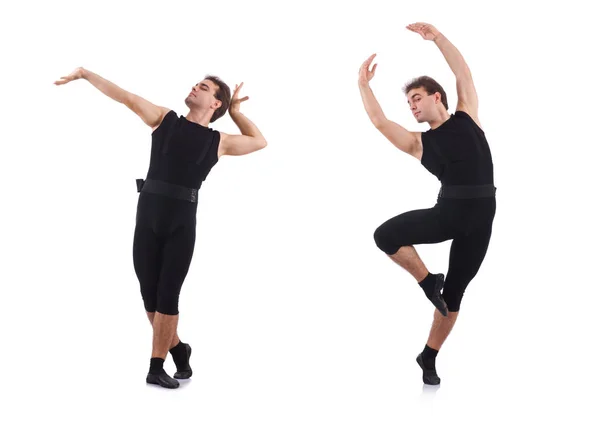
(421,105)
(203,95)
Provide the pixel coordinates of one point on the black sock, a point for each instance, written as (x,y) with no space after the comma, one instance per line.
(156,366)
(180,357)
(428,284)
(429,356)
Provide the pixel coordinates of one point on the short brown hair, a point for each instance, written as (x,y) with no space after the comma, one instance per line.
(223,94)
(430,86)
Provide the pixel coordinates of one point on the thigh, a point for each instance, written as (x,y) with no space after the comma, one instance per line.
(416,227)
(466,256)
(176,258)
(146,256)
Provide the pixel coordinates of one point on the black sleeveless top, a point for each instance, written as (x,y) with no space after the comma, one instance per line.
(457,152)
(183,152)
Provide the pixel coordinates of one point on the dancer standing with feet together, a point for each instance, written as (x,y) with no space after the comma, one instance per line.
(184,150)
(456,151)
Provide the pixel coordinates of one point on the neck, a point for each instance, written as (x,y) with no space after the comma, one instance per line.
(441,118)
(201,117)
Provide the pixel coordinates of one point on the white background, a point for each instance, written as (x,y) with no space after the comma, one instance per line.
(296,318)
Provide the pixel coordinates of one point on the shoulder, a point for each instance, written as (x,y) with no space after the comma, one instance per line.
(165,113)
(470,116)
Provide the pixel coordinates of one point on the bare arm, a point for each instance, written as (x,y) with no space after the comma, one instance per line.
(251,139)
(400,137)
(465,88)
(467,95)
(151,114)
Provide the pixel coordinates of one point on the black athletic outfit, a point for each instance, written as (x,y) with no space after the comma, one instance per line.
(458,154)
(183,153)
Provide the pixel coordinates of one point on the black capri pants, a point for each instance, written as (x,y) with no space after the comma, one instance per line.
(468,222)
(163,246)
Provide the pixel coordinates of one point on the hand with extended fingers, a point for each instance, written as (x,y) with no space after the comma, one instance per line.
(364,74)
(234,106)
(75,74)
(427,31)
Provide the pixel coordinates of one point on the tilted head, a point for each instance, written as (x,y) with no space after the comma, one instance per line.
(426,98)
(211,93)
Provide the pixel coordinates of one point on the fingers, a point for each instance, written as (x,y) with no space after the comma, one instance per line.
(237,89)
(421,27)
(417,27)
(235,98)
(366,64)
(368,61)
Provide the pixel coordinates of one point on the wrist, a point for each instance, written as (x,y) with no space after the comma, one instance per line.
(438,38)
(84,73)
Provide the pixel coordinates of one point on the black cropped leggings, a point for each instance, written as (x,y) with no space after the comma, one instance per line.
(163,246)
(468,222)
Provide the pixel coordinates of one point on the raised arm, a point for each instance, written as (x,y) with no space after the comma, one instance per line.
(467,95)
(251,139)
(151,114)
(400,137)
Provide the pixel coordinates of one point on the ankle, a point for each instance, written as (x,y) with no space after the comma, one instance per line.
(422,276)
(428,284)
(156,365)
(176,344)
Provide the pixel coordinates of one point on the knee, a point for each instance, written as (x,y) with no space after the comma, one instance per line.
(453,297)
(453,302)
(382,240)
(149,298)
(168,304)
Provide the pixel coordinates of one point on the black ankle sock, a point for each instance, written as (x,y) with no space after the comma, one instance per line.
(429,356)
(180,357)
(428,284)
(156,365)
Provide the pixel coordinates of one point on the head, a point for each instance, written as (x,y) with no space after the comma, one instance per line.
(211,93)
(426,98)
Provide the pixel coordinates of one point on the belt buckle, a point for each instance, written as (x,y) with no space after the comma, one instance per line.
(140,184)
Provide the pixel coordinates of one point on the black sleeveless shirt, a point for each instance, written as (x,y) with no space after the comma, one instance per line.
(457,152)
(183,152)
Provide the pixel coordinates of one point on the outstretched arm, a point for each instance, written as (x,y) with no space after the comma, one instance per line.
(151,114)
(400,137)
(251,139)
(467,95)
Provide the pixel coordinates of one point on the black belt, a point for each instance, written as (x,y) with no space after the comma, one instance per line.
(467,191)
(167,189)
